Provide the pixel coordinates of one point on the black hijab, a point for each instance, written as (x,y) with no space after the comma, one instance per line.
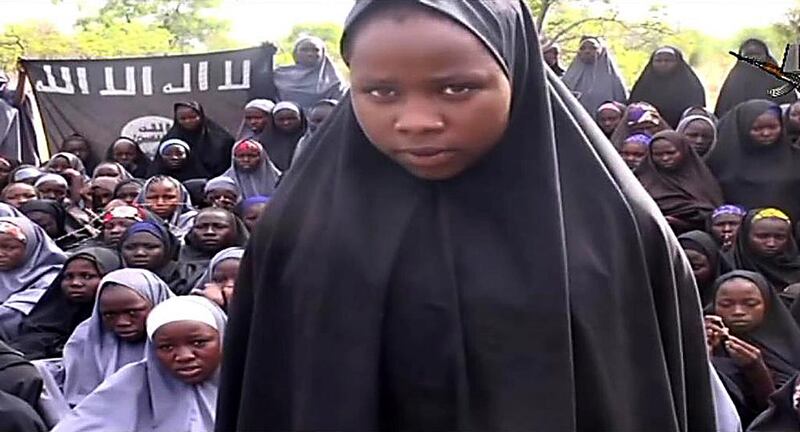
(671,94)
(781,416)
(280,145)
(68,237)
(781,271)
(211,144)
(750,174)
(140,163)
(170,271)
(689,192)
(45,331)
(745,82)
(778,336)
(384,315)
(703,243)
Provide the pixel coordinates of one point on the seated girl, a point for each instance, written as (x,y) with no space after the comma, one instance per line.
(704,257)
(679,181)
(111,169)
(756,346)
(634,150)
(174,388)
(68,302)
(766,245)
(251,209)
(252,169)
(214,229)
(149,245)
(219,281)
(126,152)
(114,335)
(290,125)
(17,194)
(128,190)
(222,192)
(29,262)
(724,225)
(168,199)
(176,161)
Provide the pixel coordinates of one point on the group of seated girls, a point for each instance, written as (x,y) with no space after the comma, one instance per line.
(115,276)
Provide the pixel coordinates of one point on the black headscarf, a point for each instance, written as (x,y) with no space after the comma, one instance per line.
(671,94)
(745,82)
(363,302)
(45,331)
(781,416)
(211,144)
(67,237)
(778,336)
(781,271)
(139,165)
(279,145)
(702,242)
(750,174)
(170,271)
(689,192)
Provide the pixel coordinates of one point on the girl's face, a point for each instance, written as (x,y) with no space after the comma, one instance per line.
(224,199)
(427,93)
(252,214)
(124,152)
(608,120)
(101,197)
(724,228)
(162,198)
(794,114)
(225,274)
(633,153)
(701,267)
(17,194)
(124,312)
(307,54)
(114,229)
(247,159)
(318,116)
(80,280)
(766,129)
(5,170)
(107,170)
(191,350)
(666,155)
(645,127)
(128,192)
(175,157)
(12,252)
(143,250)
(740,304)
(769,237)
(664,63)
(256,119)
(188,118)
(588,52)
(287,120)
(78,147)
(215,230)
(59,164)
(700,135)
(46,221)
(52,190)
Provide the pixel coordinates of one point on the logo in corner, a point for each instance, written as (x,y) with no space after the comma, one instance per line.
(788,72)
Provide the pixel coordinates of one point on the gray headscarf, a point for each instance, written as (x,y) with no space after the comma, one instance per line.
(259,182)
(690,118)
(9,211)
(598,82)
(225,254)
(182,220)
(22,287)
(147,396)
(307,85)
(93,353)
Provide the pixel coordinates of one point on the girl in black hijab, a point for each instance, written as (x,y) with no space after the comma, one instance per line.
(679,182)
(210,144)
(765,244)
(760,342)
(149,245)
(753,161)
(745,82)
(67,302)
(638,118)
(78,145)
(51,216)
(704,257)
(126,152)
(791,120)
(669,84)
(363,303)
(290,124)
(609,115)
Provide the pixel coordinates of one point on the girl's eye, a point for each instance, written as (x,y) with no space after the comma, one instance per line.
(383,92)
(456,90)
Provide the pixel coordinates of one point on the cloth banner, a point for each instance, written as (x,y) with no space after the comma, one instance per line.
(107,98)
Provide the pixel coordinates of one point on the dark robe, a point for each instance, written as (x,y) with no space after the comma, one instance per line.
(745,82)
(778,336)
(279,145)
(689,192)
(195,260)
(67,237)
(18,416)
(18,376)
(46,329)
(211,144)
(139,166)
(702,242)
(445,305)
(671,94)
(781,270)
(177,276)
(781,416)
(753,175)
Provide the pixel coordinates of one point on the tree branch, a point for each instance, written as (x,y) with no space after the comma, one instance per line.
(580,22)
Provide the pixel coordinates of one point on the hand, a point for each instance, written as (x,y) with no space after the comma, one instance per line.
(744,354)
(218,293)
(716,332)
